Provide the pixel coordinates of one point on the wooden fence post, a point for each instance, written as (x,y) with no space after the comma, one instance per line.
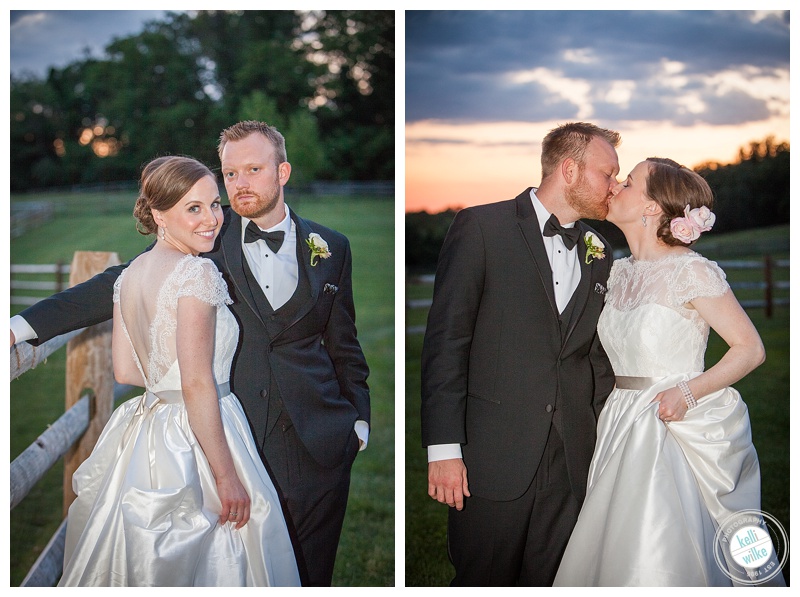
(59,276)
(768,286)
(88,368)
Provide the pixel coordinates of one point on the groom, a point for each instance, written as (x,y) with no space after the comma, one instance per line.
(513,374)
(299,371)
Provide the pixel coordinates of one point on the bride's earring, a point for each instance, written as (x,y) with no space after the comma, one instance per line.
(644,221)
(161,233)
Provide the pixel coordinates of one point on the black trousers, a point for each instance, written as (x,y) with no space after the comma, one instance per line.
(315,499)
(519,542)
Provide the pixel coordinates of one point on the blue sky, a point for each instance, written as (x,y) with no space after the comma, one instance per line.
(685,67)
(40,39)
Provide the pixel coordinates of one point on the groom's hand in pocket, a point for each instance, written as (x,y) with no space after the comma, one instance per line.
(447,482)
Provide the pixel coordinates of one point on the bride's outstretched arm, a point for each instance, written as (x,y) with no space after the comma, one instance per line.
(195,348)
(725,316)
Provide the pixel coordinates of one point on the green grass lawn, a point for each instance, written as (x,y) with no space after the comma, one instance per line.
(366,551)
(766,392)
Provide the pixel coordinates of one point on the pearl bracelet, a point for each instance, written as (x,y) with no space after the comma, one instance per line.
(691,401)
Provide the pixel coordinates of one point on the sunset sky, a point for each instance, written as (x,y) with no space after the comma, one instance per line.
(483,88)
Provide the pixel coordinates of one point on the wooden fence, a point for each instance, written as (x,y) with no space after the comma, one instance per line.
(90,395)
(29,215)
(55,274)
(767,284)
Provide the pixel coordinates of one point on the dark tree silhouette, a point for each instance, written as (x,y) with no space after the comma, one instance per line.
(325,78)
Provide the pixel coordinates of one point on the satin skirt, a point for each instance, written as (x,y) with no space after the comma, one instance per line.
(147,511)
(657,492)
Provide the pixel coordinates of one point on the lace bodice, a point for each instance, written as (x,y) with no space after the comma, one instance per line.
(645,327)
(149,319)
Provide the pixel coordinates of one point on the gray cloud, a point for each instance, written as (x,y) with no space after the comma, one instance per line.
(456,62)
(40,39)
(453,97)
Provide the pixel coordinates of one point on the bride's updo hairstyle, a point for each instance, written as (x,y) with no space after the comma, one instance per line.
(164,182)
(674,187)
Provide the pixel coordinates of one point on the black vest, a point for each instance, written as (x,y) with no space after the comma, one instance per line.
(276,320)
(563,325)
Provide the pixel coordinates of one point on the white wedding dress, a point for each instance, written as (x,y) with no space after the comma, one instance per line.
(657,492)
(147,511)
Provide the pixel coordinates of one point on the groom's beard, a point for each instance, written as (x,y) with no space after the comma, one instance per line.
(586,201)
(262,205)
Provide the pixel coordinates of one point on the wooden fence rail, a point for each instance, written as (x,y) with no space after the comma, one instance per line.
(768,284)
(28,215)
(32,464)
(58,271)
(90,394)
(48,567)
(28,468)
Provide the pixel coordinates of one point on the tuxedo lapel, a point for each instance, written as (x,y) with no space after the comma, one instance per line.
(581,294)
(233,255)
(304,268)
(532,234)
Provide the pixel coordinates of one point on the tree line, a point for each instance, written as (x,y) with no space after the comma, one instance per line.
(752,192)
(324,78)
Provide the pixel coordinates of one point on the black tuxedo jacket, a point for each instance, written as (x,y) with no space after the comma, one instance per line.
(496,362)
(308,347)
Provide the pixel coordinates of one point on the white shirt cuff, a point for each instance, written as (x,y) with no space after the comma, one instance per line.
(443,452)
(22,329)
(362,431)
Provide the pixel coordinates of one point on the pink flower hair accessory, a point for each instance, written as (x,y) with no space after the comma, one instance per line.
(688,228)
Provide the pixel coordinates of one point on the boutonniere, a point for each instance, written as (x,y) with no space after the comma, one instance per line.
(595,249)
(318,246)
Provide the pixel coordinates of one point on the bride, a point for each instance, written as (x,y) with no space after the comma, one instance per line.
(674,457)
(175,493)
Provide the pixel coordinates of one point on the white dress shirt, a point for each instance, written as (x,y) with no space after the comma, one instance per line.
(564,263)
(276,273)
(21,329)
(566,275)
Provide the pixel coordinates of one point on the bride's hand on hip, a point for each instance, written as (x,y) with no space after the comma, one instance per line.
(234,499)
(672,405)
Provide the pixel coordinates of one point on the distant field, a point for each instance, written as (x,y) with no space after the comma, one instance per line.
(102,222)
(766,392)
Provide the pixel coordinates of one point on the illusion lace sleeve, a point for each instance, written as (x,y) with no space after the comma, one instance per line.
(117,284)
(201,279)
(697,278)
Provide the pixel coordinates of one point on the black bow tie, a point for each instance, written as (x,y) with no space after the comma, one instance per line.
(274,239)
(570,235)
